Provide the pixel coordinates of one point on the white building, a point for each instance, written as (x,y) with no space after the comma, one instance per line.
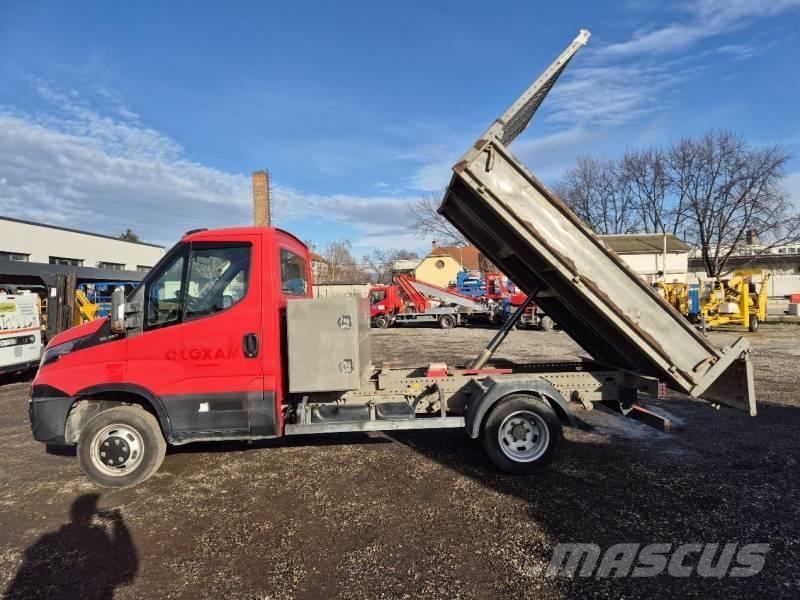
(645,254)
(26,241)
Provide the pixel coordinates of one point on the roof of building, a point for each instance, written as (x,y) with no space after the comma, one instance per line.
(101,235)
(468,256)
(643,243)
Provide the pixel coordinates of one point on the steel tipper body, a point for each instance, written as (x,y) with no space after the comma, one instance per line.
(539,242)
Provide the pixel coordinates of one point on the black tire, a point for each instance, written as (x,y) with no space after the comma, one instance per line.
(545,436)
(752,326)
(145,453)
(381,322)
(546,323)
(447,322)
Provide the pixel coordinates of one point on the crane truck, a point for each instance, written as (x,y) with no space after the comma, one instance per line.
(176,363)
(409,301)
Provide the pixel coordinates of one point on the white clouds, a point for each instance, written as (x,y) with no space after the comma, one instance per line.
(706,18)
(75,166)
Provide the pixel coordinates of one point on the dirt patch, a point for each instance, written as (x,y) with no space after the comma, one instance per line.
(418,513)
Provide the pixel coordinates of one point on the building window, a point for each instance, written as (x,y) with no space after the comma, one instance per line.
(15,256)
(440,264)
(61,260)
(110,265)
(143,268)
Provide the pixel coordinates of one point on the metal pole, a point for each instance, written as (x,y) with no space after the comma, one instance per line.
(481,360)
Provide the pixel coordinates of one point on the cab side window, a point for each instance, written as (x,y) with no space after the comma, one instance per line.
(294,274)
(217,279)
(164,295)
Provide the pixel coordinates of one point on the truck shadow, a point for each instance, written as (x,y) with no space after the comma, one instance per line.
(90,556)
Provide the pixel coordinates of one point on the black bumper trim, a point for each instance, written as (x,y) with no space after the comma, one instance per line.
(48,416)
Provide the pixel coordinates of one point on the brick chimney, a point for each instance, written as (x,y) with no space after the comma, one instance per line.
(261,217)
(752,238)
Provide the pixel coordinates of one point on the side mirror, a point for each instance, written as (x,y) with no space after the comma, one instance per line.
(118,310)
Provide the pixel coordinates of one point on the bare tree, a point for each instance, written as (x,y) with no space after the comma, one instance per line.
(381,262)
(716,190)
(426,222)
(341,266)
(645,172)
(600,193)
(732,190)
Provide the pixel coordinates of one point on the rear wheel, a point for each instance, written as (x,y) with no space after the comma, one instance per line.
(753,324)
(546,324)
(447,322)
(521,434)
(382,321)
(121,447)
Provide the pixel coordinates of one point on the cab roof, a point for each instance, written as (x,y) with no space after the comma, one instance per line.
(196,235)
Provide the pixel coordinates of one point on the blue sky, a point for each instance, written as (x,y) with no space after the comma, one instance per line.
(151,115)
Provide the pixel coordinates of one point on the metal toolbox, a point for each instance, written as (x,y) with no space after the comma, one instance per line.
(328,343)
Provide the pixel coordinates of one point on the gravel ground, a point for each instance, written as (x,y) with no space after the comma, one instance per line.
(417,513)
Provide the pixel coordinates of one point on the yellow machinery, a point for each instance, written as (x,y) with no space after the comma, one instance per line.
(676,294)
(741,300)
(85,310)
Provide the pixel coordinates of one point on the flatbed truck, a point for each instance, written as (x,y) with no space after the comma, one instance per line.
(175,363)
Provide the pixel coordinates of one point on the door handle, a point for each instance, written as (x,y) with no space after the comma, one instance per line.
(250,345)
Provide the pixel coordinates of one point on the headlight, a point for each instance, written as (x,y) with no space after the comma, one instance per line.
(53,354)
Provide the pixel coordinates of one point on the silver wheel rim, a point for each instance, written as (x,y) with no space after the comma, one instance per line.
(117,449)
(523,436)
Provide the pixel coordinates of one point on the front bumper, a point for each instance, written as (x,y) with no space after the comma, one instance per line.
(19,367)
(48,409)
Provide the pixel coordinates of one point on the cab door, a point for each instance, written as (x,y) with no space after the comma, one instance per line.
(202,337)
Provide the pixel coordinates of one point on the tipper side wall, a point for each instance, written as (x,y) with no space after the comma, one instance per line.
(538,241)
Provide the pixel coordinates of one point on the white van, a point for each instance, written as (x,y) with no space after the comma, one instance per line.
(20,332)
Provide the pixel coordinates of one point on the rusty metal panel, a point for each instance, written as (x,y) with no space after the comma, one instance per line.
(532,236)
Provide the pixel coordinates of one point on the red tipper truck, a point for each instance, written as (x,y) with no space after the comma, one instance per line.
(178,361)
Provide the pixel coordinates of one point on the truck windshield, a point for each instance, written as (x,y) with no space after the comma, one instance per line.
(377,296)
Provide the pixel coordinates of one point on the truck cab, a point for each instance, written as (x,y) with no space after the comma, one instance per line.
(200,350)
(384,303)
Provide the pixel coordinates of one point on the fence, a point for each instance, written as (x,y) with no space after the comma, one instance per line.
(341,290)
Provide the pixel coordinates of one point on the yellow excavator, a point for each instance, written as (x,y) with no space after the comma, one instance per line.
(741,300)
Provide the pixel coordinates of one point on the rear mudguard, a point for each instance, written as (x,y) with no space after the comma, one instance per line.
(488,392)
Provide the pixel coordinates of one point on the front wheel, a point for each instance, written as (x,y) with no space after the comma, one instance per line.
(381,322)
(447,322)
(753,324)
(121,447)
(521,434)
(546,324)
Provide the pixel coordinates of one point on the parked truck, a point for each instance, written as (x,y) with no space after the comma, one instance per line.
(409,301)
(20,331)
(175,364)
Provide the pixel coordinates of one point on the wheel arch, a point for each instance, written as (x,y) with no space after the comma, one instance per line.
(492,391)
(89,401)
